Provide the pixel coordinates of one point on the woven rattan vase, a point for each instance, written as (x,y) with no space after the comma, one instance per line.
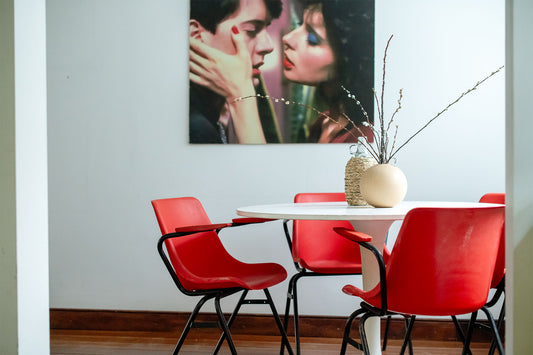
(355,168)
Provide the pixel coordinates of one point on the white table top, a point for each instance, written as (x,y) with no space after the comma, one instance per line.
(342,211)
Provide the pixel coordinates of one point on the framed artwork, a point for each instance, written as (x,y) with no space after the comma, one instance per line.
(312,71)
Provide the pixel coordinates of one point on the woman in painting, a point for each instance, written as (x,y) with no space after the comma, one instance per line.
(333,48)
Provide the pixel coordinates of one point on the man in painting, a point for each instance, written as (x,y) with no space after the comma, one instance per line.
(212,22)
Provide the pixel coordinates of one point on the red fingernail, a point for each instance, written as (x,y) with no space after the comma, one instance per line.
(235,30)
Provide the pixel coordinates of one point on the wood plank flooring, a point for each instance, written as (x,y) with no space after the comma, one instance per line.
(202,341)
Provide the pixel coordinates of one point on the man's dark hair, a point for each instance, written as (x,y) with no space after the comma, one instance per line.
(209,13)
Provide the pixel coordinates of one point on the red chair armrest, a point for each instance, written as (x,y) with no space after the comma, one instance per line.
(248,220)
(202,228)
(364,241)
(352,235)
(353,290)
(182,231)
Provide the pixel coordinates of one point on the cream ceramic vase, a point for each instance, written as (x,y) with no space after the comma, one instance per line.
(383,185)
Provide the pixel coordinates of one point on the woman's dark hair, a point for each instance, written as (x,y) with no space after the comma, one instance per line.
(212,12)
(350,31)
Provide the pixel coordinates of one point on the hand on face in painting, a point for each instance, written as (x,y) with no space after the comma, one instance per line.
(229,75)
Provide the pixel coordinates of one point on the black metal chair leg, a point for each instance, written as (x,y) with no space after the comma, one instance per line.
(466,344)
(460,332)
(296,316)
(347,329)
(230,322)
(501,318)
(410,342)
(407,340)
(292,295)
(188,326)
(362,333)
(494,329)
(285,320)
(224,325)
(386,334)
(284,338)
(287,310)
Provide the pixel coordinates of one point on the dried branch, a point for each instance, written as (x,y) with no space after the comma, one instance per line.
(389,124)
(289,102)
(397,109)
(358,103)
(393,142)
(445,109)
(383,149)
(379,136)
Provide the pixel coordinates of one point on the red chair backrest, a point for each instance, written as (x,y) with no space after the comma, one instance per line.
(443,260)
(499,269)
(493,198)
(316,240)
(195,256)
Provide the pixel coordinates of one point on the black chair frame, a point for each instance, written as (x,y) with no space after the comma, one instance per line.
(500,292)
(367,311)
(216,295)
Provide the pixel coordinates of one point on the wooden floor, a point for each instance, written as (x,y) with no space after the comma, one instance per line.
(200,341)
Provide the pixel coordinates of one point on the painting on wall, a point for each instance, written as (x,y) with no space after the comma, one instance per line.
(280,71)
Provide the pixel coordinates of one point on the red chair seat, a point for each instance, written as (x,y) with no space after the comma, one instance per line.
(247,276)
(333,266)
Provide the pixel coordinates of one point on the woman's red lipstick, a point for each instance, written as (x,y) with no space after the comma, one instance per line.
(287,64)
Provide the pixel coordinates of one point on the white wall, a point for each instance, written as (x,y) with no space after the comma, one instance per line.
(117,76)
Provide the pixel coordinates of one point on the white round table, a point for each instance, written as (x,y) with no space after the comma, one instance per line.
(369,220)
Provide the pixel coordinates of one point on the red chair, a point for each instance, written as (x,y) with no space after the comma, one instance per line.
(200,265)
(318,251)
(442,264)
(498,278)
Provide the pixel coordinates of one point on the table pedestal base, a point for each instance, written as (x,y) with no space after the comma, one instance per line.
(378,229)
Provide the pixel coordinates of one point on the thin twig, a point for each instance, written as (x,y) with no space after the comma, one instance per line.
(369,146)
(397,109)
(382,115)
(393,142)
(288,102)
(377,103)
(445,109)
(378,137)
(390,122)
(358,103)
